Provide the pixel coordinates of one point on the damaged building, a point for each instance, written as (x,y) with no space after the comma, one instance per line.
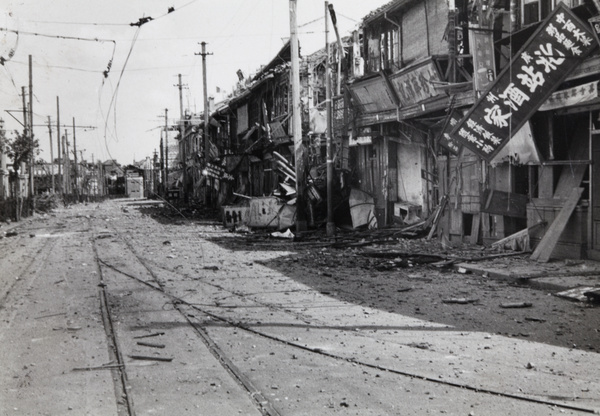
(485,112)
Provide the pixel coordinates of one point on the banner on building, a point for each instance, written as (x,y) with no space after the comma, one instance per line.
(481,42)
(534,73)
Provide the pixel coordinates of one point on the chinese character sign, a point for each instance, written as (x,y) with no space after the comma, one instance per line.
(447,140)
(534,73)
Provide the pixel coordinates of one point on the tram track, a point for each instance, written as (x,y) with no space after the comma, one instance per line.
(267,408)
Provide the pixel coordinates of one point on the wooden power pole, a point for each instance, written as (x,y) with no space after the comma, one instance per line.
(330,227)
(297,119)
(205,139)
(59,146)
(51,155)
(31,142)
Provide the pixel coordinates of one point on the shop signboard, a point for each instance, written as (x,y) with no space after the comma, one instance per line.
(446,139)
(560,43)
(217,172)
(417,83)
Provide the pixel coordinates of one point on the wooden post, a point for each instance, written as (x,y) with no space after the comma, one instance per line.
(31,142)
(297,120)
(330,224)
(51,155)
(59,145)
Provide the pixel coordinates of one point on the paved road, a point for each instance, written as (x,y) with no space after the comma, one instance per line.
(108,311)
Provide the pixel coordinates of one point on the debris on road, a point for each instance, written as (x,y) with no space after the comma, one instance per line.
(147,358)
(459,301)
(100,367)
(516,305)
(578,294)
(156,334)
(151,345)
(593,295)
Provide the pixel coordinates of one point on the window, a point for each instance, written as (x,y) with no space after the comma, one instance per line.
(536,10)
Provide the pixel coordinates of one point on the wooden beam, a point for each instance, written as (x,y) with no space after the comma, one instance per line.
(514,238)
(475,228)
(544,249)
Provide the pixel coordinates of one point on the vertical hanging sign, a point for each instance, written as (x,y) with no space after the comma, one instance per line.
(534,73)
(484,64)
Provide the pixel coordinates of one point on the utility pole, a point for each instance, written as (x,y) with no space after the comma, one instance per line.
(206,142)
(21,166)
(58,143)
(51,155)
(166,154)
(66,158)
(75,159)
(297,120)
(330,224)
(32,153)
(184,150)
(340,47)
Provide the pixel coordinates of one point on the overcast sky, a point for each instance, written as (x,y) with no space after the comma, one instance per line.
(127,109)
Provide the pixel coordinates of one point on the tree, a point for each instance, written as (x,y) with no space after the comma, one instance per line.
(3,138)
(19,149)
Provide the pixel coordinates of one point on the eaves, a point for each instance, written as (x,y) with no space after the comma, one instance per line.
(390,7)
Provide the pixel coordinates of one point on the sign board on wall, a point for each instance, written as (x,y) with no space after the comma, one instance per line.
(484,66)
(446,139)
(373,95)
(534,73)
(415,84)
(217,172)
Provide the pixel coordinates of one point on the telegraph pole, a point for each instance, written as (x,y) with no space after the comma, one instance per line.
(58,143)
(297,120)
(31,155)
(182,140)
(75,159)
(330,224)
(51,155)
(206,142)
(67,169)
(166,154)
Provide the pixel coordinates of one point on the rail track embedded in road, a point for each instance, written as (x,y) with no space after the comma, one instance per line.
(182,306)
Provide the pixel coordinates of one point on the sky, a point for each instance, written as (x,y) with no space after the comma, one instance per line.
(120,116)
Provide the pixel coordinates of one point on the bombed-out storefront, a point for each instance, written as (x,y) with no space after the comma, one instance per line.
(527,156)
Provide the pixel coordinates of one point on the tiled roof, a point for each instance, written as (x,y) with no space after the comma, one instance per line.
(388,7)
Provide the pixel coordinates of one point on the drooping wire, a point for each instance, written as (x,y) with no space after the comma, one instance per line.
(100,40)
(113,101)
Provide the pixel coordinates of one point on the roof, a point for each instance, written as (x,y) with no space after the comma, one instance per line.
(387,8)
(283,56)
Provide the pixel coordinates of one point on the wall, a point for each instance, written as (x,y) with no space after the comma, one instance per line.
(437,17)
(414,33)
(410,183)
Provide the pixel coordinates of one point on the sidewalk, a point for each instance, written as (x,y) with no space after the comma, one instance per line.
(554,276)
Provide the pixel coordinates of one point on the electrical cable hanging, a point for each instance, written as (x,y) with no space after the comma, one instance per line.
(45,35)
(116,91)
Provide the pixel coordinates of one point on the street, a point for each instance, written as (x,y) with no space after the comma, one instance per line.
(114,309)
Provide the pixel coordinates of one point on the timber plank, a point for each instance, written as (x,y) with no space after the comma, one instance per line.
(544,249)
(475,228)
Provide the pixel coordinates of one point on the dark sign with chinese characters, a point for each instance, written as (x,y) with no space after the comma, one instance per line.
(542,64)
(447,140)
